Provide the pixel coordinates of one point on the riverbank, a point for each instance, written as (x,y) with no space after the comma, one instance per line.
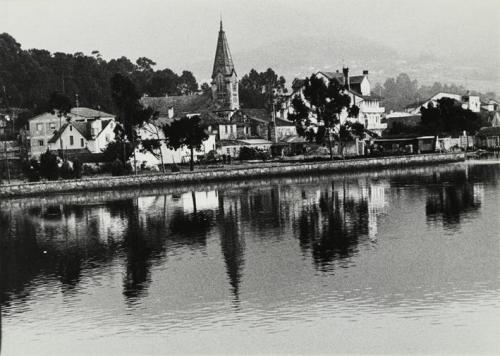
(237,173)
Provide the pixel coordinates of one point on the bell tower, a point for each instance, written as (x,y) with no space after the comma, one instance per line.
(224,78)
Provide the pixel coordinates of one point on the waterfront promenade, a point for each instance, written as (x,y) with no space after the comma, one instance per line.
(227,173)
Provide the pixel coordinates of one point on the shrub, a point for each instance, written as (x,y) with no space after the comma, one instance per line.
(49,167)
(32,170)
(175,168)
(77,169)
(66,170)
(247,153)
(117,168)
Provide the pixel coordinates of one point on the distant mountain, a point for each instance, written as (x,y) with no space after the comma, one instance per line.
(301,56)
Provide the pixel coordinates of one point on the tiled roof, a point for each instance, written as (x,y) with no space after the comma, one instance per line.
(182,104)
(356,79)
(489,131)
(89,113)
(58,133)
(298,83)
(284,123)
(84,128)
(258,114)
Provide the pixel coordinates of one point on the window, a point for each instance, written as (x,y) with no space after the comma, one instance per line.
(52,126)
(70,128)
(39,127)
(71,141)
(40,143)
(82,142)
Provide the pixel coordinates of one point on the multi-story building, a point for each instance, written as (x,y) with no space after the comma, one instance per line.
(43,128)
(359,90)
(470,102)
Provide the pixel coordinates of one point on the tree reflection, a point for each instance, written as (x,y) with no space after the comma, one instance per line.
(450,203)
(331,228)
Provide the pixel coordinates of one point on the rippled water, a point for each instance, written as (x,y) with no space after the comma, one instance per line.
(400,261)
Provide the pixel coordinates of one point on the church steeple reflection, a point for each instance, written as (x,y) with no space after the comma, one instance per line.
(232,243)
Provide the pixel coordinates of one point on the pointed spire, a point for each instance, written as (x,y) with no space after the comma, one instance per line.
(223,62)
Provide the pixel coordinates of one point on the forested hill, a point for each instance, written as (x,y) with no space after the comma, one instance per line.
(28,77)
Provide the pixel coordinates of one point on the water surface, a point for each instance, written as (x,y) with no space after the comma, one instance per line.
(399,261)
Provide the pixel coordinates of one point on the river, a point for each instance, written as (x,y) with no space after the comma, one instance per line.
(397,261)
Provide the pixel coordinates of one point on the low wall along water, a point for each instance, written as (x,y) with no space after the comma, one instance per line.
(267,169)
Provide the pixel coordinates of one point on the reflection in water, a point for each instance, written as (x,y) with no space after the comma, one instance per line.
(232,243)
(330,223)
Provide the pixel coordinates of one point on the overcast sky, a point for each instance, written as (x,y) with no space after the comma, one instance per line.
(176,33)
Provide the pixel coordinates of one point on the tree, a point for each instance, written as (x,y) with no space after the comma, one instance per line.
(186,132)
(319,118)
(28,77)
(255,89)
(49,167)
(131,113)
(449,118)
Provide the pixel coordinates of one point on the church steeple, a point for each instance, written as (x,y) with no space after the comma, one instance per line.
(224,78)
(223,62)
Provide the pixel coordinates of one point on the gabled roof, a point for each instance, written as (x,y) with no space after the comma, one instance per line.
(489,131)
(58,133)
(284,123)
(89,113)
(84,128)
(182,104)
(356,79)
(298,83)
(223,62)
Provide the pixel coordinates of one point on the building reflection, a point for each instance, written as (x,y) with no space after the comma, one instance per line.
(231,241)
(330,221)
(450,203)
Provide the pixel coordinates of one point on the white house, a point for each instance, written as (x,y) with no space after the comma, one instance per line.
(359,90)
(155,157)
(93,135)
(43,127)
(470,102)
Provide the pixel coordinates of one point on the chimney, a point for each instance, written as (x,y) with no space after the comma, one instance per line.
(347,84)
(170,112)
(365,73)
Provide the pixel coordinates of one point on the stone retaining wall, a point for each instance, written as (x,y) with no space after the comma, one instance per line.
(267,169)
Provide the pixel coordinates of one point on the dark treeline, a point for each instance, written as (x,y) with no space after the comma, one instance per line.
(402,91)
(256,88)
(28,77)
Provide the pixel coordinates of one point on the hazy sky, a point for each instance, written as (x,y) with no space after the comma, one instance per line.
(176,33)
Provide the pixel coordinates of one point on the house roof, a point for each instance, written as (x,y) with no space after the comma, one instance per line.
(284,123)
(298,83)
(182,104)
(256,141)
(89,113)
(293,139)
(84,128)
(225,143)
(489,131)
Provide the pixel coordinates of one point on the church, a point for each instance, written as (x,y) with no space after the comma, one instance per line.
(232,126)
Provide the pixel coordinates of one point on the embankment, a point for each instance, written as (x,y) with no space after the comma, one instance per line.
(236,173)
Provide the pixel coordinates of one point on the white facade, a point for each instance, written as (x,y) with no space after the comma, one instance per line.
(41,129)
(85,135)
(470,102)
(228,131)
(183,155)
